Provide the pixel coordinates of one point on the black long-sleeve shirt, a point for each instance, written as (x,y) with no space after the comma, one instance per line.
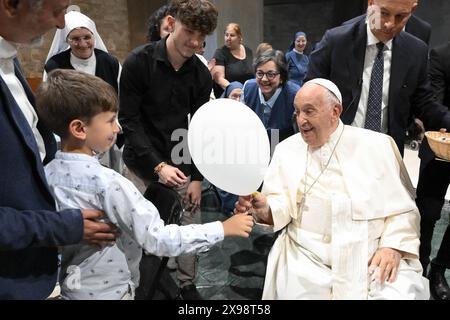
(155,101)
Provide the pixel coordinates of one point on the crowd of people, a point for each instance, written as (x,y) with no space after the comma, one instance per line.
(349,223)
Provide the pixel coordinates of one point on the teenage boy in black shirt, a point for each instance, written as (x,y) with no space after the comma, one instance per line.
(162,85)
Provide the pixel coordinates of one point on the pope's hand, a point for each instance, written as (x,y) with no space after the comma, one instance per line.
(384,265)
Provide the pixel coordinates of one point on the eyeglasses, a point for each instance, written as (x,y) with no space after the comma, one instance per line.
(270,75)
(77,40)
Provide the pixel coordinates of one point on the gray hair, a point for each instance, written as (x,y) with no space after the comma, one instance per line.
(330,99)
(278,58)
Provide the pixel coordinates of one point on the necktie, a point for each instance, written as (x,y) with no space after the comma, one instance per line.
(373,114)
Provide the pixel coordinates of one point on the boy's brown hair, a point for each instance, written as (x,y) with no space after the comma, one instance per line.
(197,15)
(68,95)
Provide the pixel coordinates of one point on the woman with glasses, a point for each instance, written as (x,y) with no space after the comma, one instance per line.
(271,95)
(297,60)
(233,61)
(79,46)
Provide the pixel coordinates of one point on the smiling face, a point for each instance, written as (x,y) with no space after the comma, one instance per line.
(268,78)
(388,17)
(317,117)
(82,43)
(101,131)
(300,43)
(185,41)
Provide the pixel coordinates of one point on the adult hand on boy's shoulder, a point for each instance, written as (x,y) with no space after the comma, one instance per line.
(97,233)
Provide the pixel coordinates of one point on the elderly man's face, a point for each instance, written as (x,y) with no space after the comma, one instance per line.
(34,22)
(317,119)
(387,18)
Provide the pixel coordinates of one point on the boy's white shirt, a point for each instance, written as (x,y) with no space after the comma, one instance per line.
(79,181)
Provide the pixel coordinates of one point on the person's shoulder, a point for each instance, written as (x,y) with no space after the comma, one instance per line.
(139,55)
(353,20)
(290,54)
(250,85)
(292,87)
(409,42)
(58,58)
(248,50)
(106,56)
(145,49)
(344,30)
(442,49)
(365,137)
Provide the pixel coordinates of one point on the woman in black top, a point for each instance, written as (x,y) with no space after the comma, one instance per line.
(234,61)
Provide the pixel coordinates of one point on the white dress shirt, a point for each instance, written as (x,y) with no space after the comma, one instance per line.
(7,54)
(87,272)
(371,52)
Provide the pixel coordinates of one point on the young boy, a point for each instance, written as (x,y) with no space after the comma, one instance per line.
(82,110)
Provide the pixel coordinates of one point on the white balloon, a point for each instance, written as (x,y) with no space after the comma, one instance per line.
(229,145)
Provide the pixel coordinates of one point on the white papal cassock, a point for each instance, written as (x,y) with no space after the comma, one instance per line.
(362,201)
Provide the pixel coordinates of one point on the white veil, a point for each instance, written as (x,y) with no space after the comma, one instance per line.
(73,19)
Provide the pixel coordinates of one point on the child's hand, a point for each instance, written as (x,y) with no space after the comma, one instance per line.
(243,205)
(239,225)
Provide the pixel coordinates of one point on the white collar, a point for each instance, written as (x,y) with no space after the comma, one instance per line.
(272,99)
(334,137)
(296,51)
(72,156)
(83,62)
(7,49)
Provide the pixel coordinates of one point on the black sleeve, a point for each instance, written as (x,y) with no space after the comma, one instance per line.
(39,228)
(433,114)
(203,98)
(437,75)
(133,87)
(220,57)
(319,61)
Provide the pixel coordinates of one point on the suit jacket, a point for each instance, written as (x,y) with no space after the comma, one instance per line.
(439,74)
(30,229)
(339,57)
(415,26)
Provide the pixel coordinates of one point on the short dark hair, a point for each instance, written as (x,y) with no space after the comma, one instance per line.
(68,95)
(277,56)
(154,21)
(198,15)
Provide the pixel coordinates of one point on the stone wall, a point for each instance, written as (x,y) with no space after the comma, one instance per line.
(111,18)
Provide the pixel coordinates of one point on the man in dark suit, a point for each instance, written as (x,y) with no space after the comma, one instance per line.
(30,227)
(346,56)
(434,179)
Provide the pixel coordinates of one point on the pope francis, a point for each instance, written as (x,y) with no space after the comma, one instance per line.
(343,204)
